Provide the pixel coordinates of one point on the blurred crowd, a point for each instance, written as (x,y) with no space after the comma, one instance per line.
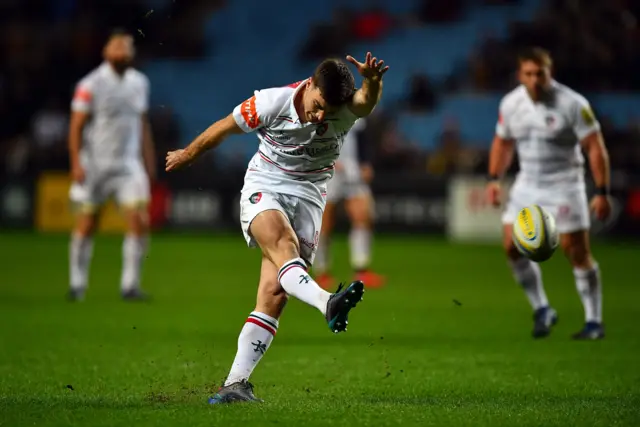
(49,44)
(595,43)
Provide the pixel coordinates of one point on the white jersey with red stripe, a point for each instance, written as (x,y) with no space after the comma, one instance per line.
(293,158)
(112,137)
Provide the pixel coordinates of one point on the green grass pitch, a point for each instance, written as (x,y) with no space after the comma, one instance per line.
(446,343)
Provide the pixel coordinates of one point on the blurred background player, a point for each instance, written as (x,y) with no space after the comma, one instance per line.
(350,184)
(549,124)
(111,154)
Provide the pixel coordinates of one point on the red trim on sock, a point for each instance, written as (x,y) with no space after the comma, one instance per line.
(289,267)
(262,325)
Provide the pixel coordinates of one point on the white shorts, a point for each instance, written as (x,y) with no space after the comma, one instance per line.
(569,206)
(305,218)
(339,189)
(127,188)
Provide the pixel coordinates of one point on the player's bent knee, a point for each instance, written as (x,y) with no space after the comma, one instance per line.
(576,248)
(359,212)
(138,222)
(285,249)
(578,255)
(86,224)
(276,238)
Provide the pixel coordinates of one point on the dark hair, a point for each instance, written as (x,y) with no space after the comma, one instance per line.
(118,32)
(335,81)
(537,55)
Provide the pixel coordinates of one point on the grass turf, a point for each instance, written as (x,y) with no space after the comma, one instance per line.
(445,344)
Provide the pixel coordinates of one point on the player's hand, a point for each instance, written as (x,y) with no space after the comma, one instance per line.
(494,193)
(177,160)
(366,172)
(77,173)
(601,206)
(371,68)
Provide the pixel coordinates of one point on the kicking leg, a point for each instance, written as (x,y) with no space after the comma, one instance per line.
(528,275)
(587,275)
(279,243)
(255,338)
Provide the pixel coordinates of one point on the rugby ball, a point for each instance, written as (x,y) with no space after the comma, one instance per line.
(534,233)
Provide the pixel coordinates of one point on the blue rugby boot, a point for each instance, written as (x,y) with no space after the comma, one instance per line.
(340,303)
(591,331)
(544,319)
(241,391)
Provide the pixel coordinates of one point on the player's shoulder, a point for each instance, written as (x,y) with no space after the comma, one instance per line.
(138,76)
(567,96)
(92,78)
(277,95)
(272,101)
(512,98)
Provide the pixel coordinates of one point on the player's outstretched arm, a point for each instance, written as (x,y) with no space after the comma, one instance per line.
(210,138)
(366,98)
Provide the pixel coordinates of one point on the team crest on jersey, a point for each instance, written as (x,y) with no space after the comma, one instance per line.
(321,128)
(553,121)
(550,120)
(255,198)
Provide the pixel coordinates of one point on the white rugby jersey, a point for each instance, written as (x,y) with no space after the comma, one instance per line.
(112,137)
(293,158)
(547,134)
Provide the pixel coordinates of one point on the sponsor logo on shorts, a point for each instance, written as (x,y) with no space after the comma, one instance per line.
(255,198)
(308,244)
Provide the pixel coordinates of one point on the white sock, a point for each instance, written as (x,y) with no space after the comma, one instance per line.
(253,342)
(529,276)
(360,246)
(134,249)
(295,280)
(80,253)
(589,288)
(321,262)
